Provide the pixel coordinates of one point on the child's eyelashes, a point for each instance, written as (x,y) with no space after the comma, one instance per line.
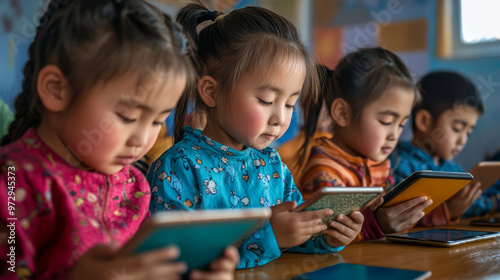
(384,123)
(126,120)
(265,102)
(158,123)
(457,129)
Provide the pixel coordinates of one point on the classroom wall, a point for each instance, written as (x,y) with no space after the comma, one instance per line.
(330,29)
(408,27)
(18,21)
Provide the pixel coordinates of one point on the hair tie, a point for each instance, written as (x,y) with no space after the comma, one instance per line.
(180,39)
(212,15)
(219,17)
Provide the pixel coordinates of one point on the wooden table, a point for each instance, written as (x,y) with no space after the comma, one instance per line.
(477,260)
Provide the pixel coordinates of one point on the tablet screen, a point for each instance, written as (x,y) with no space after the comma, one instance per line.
(363,272)
(446,235)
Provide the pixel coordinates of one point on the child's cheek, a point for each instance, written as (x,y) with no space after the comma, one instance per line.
(373,139)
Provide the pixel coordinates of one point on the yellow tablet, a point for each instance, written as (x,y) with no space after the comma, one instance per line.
(486,172)
(437,185)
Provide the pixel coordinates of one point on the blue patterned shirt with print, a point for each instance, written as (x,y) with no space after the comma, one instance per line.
(199,173)
(408,158)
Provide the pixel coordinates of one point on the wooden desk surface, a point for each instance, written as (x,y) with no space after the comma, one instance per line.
(477,260)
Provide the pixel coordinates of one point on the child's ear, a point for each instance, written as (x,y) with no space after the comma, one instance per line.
(423,120)
(206,89)
(341,112)
(52,87)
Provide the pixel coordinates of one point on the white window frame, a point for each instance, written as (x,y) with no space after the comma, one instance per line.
(468,50)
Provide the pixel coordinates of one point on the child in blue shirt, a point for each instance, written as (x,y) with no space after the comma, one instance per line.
(253,69)
(442,123)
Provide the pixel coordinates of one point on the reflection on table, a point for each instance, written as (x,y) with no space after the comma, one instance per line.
(478,260)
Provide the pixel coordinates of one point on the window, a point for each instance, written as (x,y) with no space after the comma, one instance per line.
(479,21)
(468,28)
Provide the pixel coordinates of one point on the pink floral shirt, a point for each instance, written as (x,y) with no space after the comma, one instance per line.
(61,211)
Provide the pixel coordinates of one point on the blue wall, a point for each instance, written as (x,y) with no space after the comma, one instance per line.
(17,30)
(484,72)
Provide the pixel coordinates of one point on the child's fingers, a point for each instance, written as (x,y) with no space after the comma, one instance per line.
(228,262)
(101,251)
(409,205)
(477,194)
(477,185)
(357,217)
(314,215)
(346,227)
(156,256)
(415,210)
(411,215)
(222,264)
(376,202)
(340,237)
(310,229)
(232,254)
(412,220)
(166,271)
(285,206)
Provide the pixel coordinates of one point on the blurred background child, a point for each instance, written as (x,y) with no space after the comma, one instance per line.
(442,123)
(370,97)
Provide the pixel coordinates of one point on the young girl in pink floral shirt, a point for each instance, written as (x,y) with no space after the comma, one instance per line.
(101,79)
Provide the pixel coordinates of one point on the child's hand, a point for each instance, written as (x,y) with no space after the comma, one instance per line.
(463,199)
(345,230)
(398,217)
(101,263)
(294,228)
(220,269)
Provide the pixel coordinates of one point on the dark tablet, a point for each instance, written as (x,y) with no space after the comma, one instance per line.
(350,271)
(442,237)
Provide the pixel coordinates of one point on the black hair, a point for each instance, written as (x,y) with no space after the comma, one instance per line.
(94,41)
(443,90)
(360,78)
(247,40)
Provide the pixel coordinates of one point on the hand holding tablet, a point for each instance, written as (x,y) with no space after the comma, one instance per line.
(436,185)
(340,200)
(486,172)
(201,235)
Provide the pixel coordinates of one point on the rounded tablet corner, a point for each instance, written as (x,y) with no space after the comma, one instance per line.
(267,212)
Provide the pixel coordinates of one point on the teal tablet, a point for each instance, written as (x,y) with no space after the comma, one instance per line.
(201,235)
(350,271)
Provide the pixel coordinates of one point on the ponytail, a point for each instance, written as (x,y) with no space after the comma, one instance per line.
(192,15)
(312,112)
(245,40)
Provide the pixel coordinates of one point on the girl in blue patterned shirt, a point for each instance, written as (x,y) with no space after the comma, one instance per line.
(253,69)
